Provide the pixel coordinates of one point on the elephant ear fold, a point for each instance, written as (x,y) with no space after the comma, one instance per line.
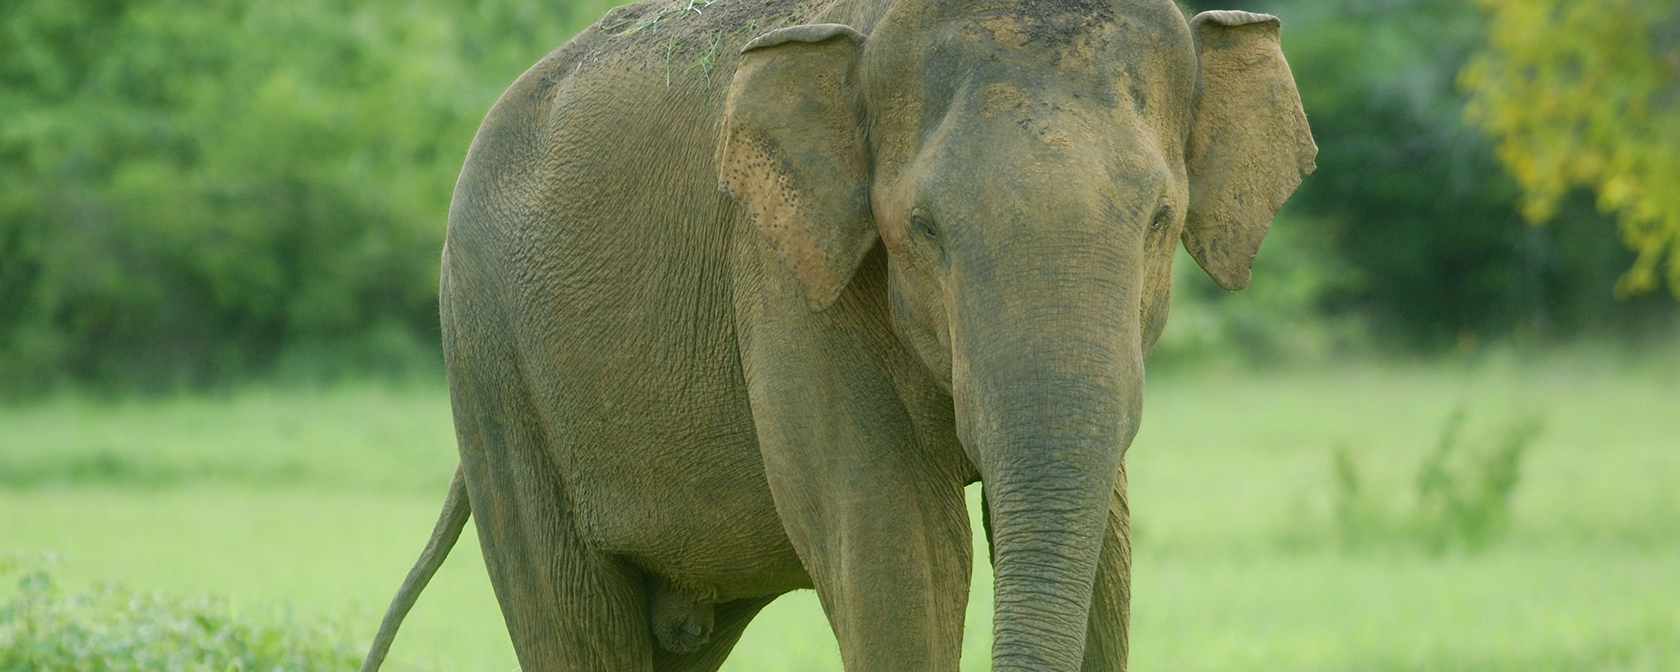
(1249,144)
(793,153)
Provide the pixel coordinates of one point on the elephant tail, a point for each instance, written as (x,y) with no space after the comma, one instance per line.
(456,509)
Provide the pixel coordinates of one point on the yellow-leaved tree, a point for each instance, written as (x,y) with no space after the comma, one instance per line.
(1586,93)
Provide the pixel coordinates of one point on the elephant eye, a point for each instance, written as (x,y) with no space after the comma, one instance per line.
(1163,217)
(922,224)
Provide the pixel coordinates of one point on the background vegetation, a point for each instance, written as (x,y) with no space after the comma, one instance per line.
(195,192)
(1588,93)
(1412,228)
(1436,433)
(198,193)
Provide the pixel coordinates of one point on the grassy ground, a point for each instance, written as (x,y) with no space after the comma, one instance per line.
(323,499)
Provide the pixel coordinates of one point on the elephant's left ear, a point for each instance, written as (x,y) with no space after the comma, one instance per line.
(793,153)
(1249,144)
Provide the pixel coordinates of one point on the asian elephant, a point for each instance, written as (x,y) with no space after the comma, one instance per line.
(736,298)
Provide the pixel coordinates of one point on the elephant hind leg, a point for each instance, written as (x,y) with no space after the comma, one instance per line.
(568,607)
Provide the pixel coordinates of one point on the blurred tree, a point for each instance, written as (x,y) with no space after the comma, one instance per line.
(196,190)
(1587,92)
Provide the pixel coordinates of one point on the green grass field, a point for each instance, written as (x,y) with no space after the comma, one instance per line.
(322,499)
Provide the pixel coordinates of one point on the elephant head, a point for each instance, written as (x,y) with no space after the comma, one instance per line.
(1029,167)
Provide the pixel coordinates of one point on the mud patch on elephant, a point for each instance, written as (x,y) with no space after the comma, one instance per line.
(1006,30)
(1067,34)
(1134,87)
(1061,23)
(1032,116)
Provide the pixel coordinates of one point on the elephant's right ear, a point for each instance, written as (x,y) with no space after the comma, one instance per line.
(793,153)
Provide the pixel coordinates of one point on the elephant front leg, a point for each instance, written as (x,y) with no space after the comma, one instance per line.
(865,471)
(887,546)
(875,512)
(1105,640)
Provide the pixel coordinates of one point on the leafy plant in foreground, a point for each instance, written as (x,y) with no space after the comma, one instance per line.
(112,629)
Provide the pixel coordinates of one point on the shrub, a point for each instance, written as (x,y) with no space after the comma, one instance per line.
(111,629)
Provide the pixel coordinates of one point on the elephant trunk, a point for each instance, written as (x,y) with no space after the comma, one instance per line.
(1048,398)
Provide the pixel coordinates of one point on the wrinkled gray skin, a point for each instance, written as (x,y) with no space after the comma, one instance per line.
(705,348)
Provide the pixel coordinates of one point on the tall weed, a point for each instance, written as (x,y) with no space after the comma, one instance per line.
(1462,491)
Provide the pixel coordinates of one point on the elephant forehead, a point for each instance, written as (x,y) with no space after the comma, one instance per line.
(1058,29)
(1049,23)
(1110,50)
(1120,60)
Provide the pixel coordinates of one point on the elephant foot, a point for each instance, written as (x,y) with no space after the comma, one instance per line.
(681,621)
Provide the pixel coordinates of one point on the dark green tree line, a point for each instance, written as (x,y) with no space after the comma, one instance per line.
(195,191)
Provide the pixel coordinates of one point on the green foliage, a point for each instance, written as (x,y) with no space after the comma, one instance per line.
(195,191)
(1585,93)
(1411,197)
(1419,217)
(110,629)
(1463,493)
